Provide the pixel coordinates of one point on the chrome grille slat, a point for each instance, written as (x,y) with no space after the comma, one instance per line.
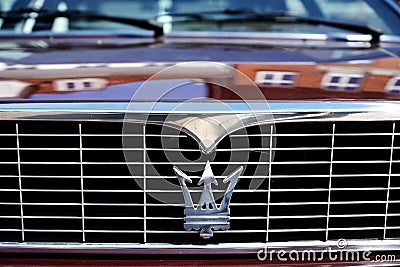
(52,231)
(330,181)
(20,183)
(197,191)
(314,135)
(82,183)
(167,218)
(200,163)
(269,189)
(180,150)
(121,204)
(93,135)
(183,136)
(144,185)
(232,217)
(389,179)
(336,203)
(177,205)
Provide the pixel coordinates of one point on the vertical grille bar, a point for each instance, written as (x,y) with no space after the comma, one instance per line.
(144,186)
(269,179)
(20,183)
(82,184)
(330,182)
(389,179)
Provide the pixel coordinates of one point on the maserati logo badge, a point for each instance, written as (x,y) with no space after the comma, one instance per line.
(207,215)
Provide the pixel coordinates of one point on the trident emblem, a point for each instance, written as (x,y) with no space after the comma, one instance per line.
(207,215)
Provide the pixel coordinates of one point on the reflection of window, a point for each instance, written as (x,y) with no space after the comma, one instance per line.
(276,78)
(79,84)
(393,86)
(342,81)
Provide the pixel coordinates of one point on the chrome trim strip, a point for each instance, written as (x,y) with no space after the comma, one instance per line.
(252,35)
(283,111)
(227,248)
(201,106)
(101,70)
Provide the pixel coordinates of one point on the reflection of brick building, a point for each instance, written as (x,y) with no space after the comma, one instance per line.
(379,79)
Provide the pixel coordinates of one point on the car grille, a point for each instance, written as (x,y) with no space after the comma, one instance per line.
(67,181)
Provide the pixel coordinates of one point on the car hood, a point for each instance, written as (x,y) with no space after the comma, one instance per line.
(115,69)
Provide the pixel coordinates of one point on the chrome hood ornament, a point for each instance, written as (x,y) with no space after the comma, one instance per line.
(207,215)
